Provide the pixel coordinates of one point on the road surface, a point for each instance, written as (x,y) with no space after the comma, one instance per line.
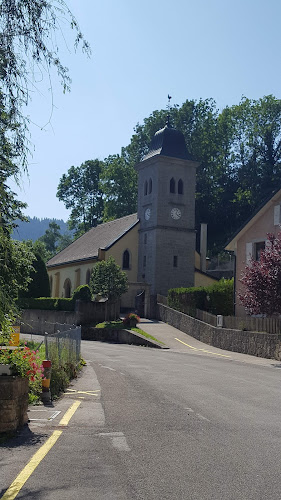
(192,422)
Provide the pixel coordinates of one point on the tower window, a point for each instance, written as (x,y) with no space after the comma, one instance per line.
(175,261)
(150,186)
(145,238)
(180,187)
(126,260)
(145,188)
(172,185)
(144,261)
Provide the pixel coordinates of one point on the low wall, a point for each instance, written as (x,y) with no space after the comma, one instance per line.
(86,313)
(13,403)
(117,336)
(264,345)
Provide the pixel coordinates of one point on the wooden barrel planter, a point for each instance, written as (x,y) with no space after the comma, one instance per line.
(13,402)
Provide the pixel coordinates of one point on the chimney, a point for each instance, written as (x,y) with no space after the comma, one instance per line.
(203,246)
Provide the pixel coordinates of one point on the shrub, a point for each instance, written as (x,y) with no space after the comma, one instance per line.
(45,303)
(216,298)
(82,292)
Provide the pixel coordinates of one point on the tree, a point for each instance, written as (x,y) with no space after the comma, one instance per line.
(80,191)
(15,267)
(119,186)
(39,285)
(29,34)
(51,237)
(239,150)
(108,280)
(262,280)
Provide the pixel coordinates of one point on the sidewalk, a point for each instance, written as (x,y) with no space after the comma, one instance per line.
(179,341)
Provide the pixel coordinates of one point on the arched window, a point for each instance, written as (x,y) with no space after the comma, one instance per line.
(150,186)
(180,187)
(88,276)
(126,260)
(67,288)
(145,188)
(172,185)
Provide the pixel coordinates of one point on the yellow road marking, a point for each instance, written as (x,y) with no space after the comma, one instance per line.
(204,350)
(70,412)
(23,476)
(186,344)
(90,393)
(215,353)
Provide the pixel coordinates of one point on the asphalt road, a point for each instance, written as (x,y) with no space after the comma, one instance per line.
(158,424)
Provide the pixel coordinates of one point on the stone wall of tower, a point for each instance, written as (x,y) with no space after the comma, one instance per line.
(163,239)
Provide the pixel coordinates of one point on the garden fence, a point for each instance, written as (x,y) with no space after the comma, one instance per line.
(247,323)
(64,346)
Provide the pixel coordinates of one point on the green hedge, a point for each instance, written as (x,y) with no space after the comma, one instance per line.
(47,304)
(56,303)
(215,299)
(82,292)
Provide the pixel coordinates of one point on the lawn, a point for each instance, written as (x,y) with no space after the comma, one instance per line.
(118,325)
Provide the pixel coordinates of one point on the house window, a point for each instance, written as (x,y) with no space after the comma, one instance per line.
(276,215)
(172,185)
(175,261)
(126,260)
(145,238)
(259,247)
(180,187)
(77,277)
(150,186)
(88,277)
(144,261)
(57,285)
(67,288)
(145,188)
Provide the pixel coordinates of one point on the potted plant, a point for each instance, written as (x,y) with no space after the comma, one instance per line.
(131,320)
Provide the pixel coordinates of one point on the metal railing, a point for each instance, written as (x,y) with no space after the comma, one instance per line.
(64,346)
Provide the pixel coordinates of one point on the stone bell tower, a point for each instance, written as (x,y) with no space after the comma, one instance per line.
(166,210)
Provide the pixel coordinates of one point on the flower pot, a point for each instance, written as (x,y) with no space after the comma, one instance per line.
(133,323)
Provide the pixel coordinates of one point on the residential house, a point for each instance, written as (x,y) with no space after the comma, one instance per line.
(250,239)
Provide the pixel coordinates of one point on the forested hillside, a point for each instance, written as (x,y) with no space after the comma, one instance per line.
(35,228)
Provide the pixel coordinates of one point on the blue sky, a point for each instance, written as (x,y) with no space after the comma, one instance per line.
(141,51)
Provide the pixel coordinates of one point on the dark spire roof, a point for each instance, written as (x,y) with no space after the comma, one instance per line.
(168,142)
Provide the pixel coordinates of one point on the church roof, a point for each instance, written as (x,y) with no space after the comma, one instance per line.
(168,142)
(87,246)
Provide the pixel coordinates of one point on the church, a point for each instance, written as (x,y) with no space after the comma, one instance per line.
(156,245)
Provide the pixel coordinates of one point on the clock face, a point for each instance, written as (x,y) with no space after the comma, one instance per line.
(175,213)
(147,214)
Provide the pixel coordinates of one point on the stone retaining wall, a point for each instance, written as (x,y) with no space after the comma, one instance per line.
(33,320)
(13,403)
(117,336)
(264,345)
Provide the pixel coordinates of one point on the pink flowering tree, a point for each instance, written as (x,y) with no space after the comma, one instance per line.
(262,280)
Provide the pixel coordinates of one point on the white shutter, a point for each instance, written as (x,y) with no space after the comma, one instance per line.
(249,252)
(267,244)
(276,215)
